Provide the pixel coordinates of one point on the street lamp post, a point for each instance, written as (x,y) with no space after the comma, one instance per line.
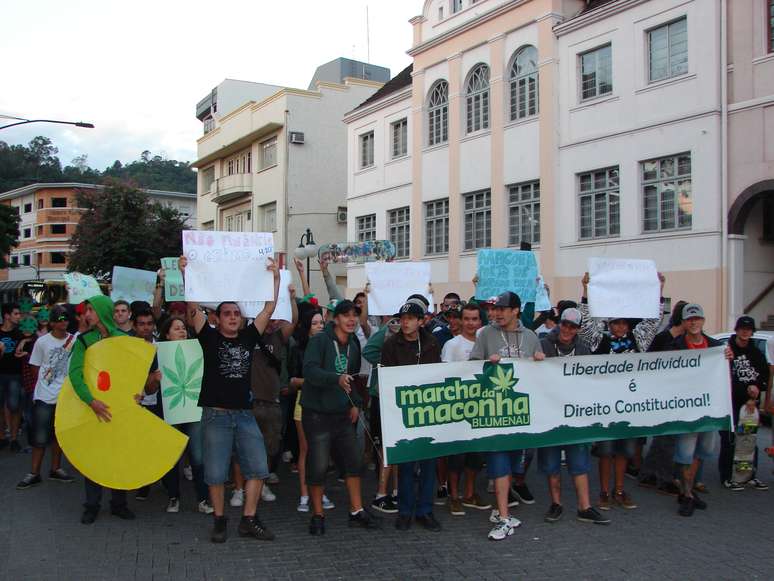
(21,121)
(306,249)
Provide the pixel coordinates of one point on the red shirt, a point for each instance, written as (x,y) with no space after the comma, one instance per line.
(703,345)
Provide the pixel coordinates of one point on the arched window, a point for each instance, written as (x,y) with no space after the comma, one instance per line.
(477,99)
(524,84)
(438,114)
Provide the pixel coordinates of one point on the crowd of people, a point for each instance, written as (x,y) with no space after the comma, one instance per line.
(306,392)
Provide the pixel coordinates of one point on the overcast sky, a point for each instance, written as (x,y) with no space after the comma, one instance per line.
(137,69)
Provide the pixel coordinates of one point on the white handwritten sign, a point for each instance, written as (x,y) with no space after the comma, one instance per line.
(391,283)
(283,311)
(132,284)
(624,288)
(228,266)
(80,287)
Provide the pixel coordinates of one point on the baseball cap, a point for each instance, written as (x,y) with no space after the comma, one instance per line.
(692,310)
(58,313)
(508,300)
(745,322)
(331,306)
(343,307)
(80,308)
(412,308)
(572,316)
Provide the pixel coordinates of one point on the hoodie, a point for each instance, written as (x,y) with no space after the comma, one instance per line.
(397,350)
(553,348)
(104,308)
(321,392)
(748,367)
(637,340)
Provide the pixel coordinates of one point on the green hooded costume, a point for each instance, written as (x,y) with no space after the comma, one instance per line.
(104,309)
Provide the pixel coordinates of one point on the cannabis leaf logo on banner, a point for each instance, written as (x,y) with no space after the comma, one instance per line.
(502,379)
(185,380)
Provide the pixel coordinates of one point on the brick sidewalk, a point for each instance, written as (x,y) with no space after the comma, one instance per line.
(41,538)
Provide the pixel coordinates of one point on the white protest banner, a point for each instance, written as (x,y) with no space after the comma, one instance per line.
(624,288)
(440,409)
(391,283)
(228,266)
(132,284)
(80,287)
(282,312)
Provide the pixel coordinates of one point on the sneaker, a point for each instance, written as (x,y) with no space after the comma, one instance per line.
(266,494)
(685,506)
(317,525)
(403,523)
(89,515)
(649,481)
(29,481)
(384,504)
(494,516)
(631,472)
(732,485)
(327,503)
(142,494)
(490,486)
(513,500)
(237,498)
(287,456)
(429,523)
(59,475)
(364,519)
(455,507)
(476,502)
(251,526)
(554,513)
(504,529)
(668,488)
(15,446)
(294,468)
(122,512)
(604,501)
(523,494)
(205,507)
(273,478)
(592,515)
(700,487)
(303,504)
(188,473)
(622,499)
(757,484)
(441,496)
(219,530)
(341,480)
(173,505)
(698,503)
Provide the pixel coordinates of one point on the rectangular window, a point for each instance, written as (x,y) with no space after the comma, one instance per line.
(456,6)
(269,213)
(668,50)
(27,233)
(26,260)
(667,203)
(269,153)
(596,72)
(15,260)
(399,221)
(58,229)
(40,204)
(58,258)
(366,227)
(770,28)
(28,207)
(437,227)
(600,214)
(478,220)
(58,202)
(228,224)
(208,178)
(524,213)
(399,138)
(209,125)
(367,149)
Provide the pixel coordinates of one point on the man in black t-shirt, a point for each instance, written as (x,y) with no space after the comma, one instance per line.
(10,374)
(227,416)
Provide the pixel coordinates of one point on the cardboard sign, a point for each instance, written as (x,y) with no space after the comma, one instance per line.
(391,283)
(80,287)
(181,364)
(501,270)
(228,266)
(174,288)
(624,288)
(132,284)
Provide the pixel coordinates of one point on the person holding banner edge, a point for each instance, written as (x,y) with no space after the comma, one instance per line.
(507,338)
(226,407)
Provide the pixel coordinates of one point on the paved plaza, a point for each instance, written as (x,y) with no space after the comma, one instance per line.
(41,538)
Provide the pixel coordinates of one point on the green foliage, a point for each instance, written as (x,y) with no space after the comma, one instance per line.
(185,380)
(122,227)
(22,165)
(9,232)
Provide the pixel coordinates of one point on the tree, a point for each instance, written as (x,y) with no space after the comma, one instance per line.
(121,227)
(9,232)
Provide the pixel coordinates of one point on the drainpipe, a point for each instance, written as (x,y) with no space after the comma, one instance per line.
(725,287)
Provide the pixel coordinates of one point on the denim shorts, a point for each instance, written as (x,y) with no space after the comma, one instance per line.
(10,392)
(471,461)
(625,447)
(225,431)
(500,464)
(269,418)
(699,445)
(578,458)
(42,429)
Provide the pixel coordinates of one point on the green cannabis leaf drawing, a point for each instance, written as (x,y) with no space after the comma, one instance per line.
(186,381)
(503,380)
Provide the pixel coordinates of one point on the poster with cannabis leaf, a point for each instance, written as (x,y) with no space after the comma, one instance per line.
(181,364)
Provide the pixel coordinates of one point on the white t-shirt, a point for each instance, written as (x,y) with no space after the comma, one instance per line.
(457,349)
(52,356)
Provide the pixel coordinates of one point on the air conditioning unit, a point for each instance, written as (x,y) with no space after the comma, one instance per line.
(296,137)
(341,215)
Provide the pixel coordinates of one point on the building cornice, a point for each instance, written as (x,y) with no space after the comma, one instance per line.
(396,97)
(32,188)
(595,15)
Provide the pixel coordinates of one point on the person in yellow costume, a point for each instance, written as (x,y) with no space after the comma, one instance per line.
(99,317)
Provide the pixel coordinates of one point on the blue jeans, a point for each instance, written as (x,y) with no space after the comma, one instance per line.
(578,459)
(225,430)
(699,445)
(408,503)
(10,393)
(500,464)
(171,479)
